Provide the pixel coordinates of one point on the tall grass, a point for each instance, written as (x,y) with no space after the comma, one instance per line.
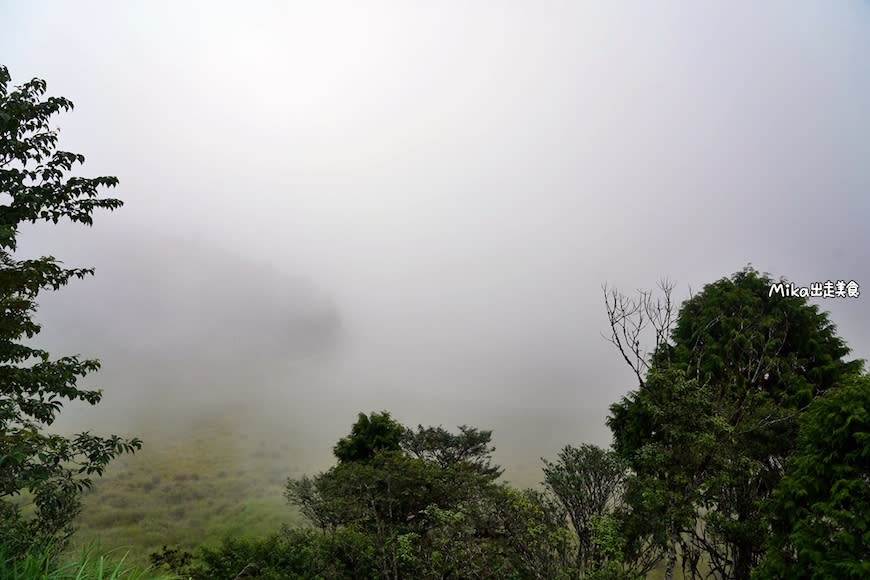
(193,489)
(88,564)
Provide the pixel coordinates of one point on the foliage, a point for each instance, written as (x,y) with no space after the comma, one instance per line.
(54,469)
(539,544)
(290,554)
(608,543)
(821,511)
(173,559)
(684,438)
(588,482)
(436,444)
(384,497)
(370,434)
(435,511)
(758,361)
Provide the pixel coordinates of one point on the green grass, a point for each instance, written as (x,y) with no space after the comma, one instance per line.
(90,563)
(184,491)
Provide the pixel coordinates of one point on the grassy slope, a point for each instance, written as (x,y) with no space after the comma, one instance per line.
(191,490)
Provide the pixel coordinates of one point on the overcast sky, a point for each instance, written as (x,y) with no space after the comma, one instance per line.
(459,179)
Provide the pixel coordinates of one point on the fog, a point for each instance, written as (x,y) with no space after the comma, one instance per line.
(343,207)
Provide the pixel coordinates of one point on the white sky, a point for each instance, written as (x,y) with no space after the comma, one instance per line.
(461,178)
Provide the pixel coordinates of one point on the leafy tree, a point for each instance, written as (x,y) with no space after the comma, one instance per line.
(761,359)
(434,509)
(370,434)
(539,544)
(449,547)
(35,184)
(663,493)
(588,482)
(436,444)
(385,497)
(425,521)
(312,496)
(609,543)
(821,511)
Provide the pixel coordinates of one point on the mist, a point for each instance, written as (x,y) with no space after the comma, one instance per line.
(336,207)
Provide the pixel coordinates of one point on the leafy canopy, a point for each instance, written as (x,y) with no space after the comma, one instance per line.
(588,481)
(821,511)
(370,434)
(470,446)
(427,505)
(35,187)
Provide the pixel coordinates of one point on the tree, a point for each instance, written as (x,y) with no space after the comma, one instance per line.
(663,492)
(370,434)
(470,445)
(433,509)
(33,387)
(588,482)
(821,510)
(538,542)
(380,490)
(762,359)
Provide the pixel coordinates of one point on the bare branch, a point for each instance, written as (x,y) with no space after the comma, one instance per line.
(624,330)
(630,318)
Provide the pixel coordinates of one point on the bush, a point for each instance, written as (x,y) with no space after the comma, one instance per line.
(291,554)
